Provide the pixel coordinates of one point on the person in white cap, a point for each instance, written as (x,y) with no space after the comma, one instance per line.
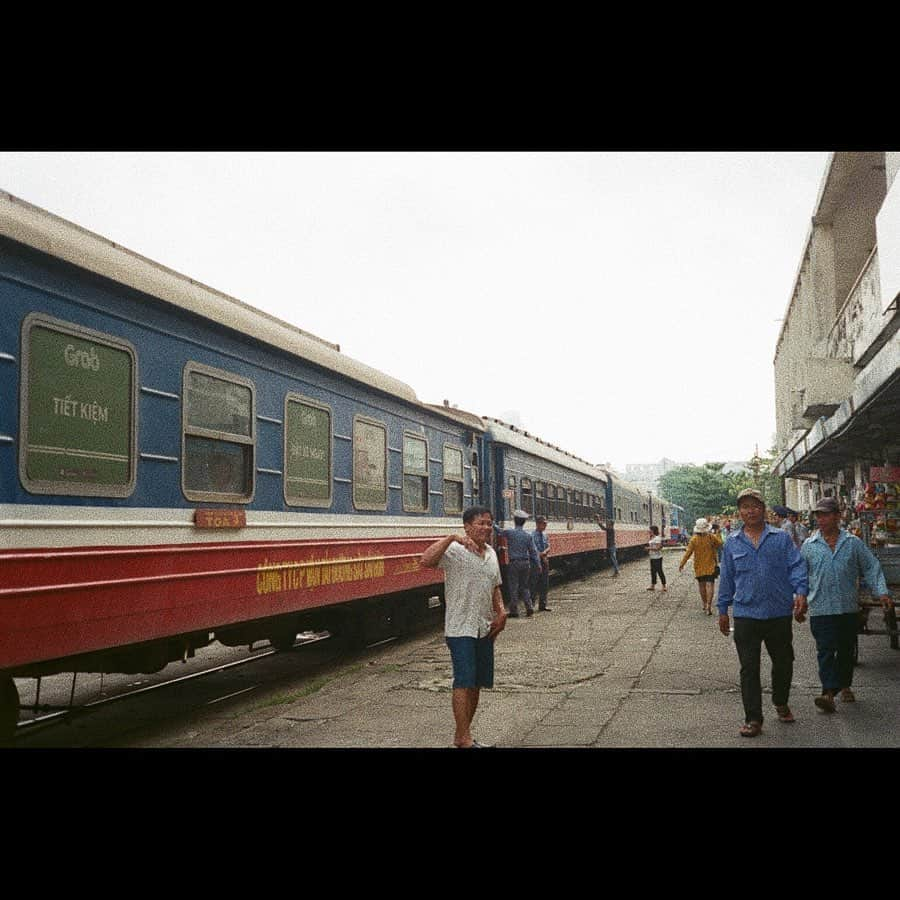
(704,547)
(523,557)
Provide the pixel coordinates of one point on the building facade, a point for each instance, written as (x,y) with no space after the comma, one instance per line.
(837,358)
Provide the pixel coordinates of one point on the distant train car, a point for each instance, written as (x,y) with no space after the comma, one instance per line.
(678,526)
(521,471)
(631,512)
(177,467)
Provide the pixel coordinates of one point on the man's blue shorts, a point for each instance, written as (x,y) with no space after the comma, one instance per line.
(473,661)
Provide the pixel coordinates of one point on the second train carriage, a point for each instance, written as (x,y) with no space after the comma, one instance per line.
(521,471)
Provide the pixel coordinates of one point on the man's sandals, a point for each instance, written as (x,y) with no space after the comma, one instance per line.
(785,714)
(751,729)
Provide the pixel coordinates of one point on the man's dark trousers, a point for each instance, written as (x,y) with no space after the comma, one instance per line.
(835,642)
(519,572)
(749,635)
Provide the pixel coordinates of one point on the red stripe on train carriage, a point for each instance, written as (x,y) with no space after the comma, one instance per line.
(565,543)
(58,602)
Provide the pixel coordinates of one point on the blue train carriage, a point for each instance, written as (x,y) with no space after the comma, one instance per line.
(522,471)
(631,512)
(678,530)
(178,467)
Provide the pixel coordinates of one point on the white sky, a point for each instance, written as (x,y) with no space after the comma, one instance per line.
(623,306)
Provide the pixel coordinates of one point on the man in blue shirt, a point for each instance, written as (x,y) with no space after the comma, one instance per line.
(609,527)
(522,557)
(541,578)
(836,561)
(764,577)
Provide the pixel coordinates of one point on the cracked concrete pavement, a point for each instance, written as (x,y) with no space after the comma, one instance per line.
(611,665)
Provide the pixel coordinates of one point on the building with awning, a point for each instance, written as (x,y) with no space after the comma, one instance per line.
(837,359)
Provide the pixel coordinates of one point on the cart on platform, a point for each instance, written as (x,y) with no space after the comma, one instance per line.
(889,557)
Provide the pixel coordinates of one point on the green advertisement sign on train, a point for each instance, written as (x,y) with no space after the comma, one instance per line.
(79,409)
(307,454)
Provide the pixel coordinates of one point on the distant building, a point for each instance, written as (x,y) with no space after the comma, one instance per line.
(646,475)
(735,468)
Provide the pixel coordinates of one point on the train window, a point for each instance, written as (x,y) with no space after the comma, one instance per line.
(570,503)
(527,497)
(415,473)
(509,497)
(218,435)
(579,505)
(307,452)
(551,501)
(77,410)
(540,498)
(369,464)
(453,479)
(475,490)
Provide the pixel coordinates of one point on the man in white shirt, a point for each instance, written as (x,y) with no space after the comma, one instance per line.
(656,559)
(474,612)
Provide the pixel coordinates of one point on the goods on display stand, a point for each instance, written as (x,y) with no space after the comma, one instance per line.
(878,508)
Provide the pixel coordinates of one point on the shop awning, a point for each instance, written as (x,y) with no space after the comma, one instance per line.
(865,425)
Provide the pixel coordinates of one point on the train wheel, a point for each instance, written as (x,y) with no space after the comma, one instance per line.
(9,710)
(284,640)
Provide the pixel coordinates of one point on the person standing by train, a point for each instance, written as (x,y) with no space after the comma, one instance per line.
(541,581)
(656,559)
(474,612)
(523,557)
(704,547)
(609,527)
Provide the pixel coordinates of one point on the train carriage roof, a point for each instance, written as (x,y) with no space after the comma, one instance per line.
(42,230)
(504,433)
(470,420)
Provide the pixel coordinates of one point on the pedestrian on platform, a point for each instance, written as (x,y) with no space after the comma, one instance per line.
(801,532)
(715,532)
(522,558)
(541,581)
(837,560)
(764,577)
(656,559)
(474,612)
(783,521)
(704,547)
(610,528)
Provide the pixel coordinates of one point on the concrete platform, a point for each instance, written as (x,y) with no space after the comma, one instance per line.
(612,665)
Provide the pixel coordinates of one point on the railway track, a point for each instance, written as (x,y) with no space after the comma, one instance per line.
(49,716)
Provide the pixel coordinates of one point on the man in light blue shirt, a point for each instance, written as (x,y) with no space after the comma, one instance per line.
(836,562)
(764,577)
